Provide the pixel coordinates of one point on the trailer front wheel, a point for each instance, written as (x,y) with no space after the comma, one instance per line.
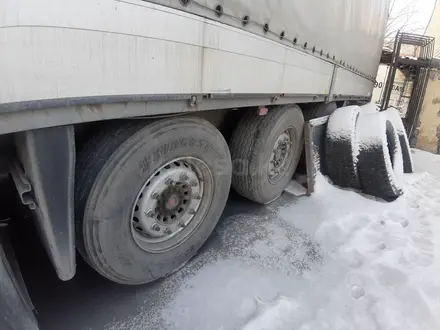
(149,196)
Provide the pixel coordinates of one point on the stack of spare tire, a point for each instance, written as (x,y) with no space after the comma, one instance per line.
(368,150)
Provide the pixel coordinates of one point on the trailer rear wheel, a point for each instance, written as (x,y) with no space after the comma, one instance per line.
(265,152)
(149,196)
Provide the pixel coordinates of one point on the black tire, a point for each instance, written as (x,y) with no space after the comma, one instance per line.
(111,170)
(380,157)
(394,117)
(251,149)
(318,110)
(341,147)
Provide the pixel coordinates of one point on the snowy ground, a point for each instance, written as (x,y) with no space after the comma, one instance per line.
(427,162)
(336,260)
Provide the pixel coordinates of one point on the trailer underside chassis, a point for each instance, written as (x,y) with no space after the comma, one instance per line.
(45,169)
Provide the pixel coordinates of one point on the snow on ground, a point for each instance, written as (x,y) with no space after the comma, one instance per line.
(335,260)
(426,162)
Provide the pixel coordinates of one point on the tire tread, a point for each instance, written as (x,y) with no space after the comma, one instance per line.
(341,150)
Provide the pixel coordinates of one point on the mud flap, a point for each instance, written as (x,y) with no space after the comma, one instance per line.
(314,137)
(48,159)
(16,309)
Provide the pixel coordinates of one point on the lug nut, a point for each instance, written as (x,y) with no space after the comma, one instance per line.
(182,224)
(155,195)
(155,227)
(193,183)
(168,231)
(150,214)
(191,211)
(169,181)
(184,177)
(197,196)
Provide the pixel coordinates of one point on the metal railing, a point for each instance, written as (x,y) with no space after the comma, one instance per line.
(415,68)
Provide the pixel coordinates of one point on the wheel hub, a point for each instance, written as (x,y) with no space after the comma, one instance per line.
(174,200)
(168,202)
(279,155)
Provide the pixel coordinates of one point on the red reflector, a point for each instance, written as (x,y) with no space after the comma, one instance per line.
(262,111)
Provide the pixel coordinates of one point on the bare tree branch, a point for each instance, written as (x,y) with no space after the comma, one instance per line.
(393,2)
(401,19)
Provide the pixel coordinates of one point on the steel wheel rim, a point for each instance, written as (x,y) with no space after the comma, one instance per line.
(171,204)
(280,157)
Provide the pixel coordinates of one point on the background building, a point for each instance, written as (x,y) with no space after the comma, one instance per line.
(427,135)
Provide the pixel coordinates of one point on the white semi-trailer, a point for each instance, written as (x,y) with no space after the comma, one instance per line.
(124,123)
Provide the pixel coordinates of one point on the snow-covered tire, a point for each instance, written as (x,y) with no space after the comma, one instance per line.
(117,167)
(380,162)
(341,147)
(394,116)
(369,108)
(252,151)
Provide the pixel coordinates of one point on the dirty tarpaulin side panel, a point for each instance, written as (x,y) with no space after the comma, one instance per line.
(351,31)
